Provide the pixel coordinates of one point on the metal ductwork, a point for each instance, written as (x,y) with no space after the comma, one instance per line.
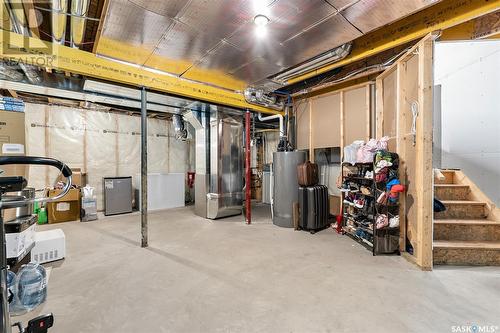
(9,72)
(58,18)
(219,161)
(19,25)
(327,58)
(79,10)
(181,132)
(260,97)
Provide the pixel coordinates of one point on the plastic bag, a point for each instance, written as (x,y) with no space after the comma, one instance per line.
(382,144)
(367,152)
(88,192)
(351,151)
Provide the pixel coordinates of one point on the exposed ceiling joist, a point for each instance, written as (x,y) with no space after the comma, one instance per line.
(32,19)
(79,96)
(40,53)
(101,25)
(441,16)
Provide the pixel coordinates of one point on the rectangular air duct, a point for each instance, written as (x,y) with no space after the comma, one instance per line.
(219,162)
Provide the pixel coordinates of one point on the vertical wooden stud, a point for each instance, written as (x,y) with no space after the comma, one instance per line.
(424,154)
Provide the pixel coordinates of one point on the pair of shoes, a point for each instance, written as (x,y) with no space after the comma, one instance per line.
(365,190)
(348,202)
(359,203)
(382,221)
(369,175)
(349,188)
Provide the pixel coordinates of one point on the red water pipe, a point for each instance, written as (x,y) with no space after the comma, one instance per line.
(248,174)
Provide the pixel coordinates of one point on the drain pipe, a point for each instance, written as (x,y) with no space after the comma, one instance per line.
(276,116)
(58,19)
(79,10)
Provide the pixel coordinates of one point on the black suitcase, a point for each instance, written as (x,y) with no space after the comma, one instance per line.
(313,207)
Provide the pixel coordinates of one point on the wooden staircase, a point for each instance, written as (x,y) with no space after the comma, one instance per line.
(468,232)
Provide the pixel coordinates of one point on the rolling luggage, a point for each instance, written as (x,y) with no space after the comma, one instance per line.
(307,174)
(313,207)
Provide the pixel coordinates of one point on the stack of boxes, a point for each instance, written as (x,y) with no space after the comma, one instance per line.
(67,208)
(11,104)
(19,227)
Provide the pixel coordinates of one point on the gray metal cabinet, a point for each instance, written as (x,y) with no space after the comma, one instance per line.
(117,195)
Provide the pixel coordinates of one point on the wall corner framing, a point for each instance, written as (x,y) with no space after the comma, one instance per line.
(410,82)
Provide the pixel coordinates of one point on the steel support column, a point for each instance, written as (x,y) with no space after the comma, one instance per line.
(144,169)
(248,175)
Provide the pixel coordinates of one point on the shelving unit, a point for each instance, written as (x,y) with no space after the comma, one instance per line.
(360,207)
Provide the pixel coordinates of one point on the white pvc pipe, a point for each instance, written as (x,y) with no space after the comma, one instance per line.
(276,116)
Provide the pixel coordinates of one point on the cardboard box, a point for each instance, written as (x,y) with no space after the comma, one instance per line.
(335,205)
(19,238)
(79,178)
(12,142)
(65,209)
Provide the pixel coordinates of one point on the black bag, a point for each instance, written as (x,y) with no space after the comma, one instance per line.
(314,208)
(438,206)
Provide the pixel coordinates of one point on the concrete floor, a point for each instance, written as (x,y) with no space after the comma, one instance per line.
(224,276)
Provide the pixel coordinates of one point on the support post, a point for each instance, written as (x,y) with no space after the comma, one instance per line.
(144,169)
(248,175)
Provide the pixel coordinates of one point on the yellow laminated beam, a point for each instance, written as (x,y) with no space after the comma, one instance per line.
(483,27)
(441,16)
(34,51)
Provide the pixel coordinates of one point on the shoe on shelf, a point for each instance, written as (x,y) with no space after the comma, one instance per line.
(359,203)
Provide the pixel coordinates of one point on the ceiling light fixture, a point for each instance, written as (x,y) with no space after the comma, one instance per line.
(261,20)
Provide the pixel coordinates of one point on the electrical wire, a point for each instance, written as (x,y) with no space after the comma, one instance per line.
(381,66)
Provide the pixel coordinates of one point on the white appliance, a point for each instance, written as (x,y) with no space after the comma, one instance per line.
(19,238)
(165,190)
(49,246)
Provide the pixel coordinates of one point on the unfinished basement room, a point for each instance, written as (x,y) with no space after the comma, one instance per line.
(249,166)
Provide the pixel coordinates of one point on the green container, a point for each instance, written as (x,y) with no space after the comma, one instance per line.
(42,214)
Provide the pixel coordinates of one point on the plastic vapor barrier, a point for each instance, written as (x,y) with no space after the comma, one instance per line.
(102,144)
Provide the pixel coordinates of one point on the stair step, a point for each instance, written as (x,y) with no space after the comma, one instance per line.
(475,245)
(466,230)
(467,253)
(462,209)
(464,202)
(451,191)
(466,222)
(448,177)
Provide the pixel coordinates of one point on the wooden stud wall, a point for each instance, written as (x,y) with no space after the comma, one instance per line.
(408,84)
(334,119)
(405,83)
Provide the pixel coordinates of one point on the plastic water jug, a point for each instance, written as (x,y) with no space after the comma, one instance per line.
(31,286)
(14,308)
(11,286)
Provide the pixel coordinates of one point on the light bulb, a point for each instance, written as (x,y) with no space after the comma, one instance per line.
(260,31)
